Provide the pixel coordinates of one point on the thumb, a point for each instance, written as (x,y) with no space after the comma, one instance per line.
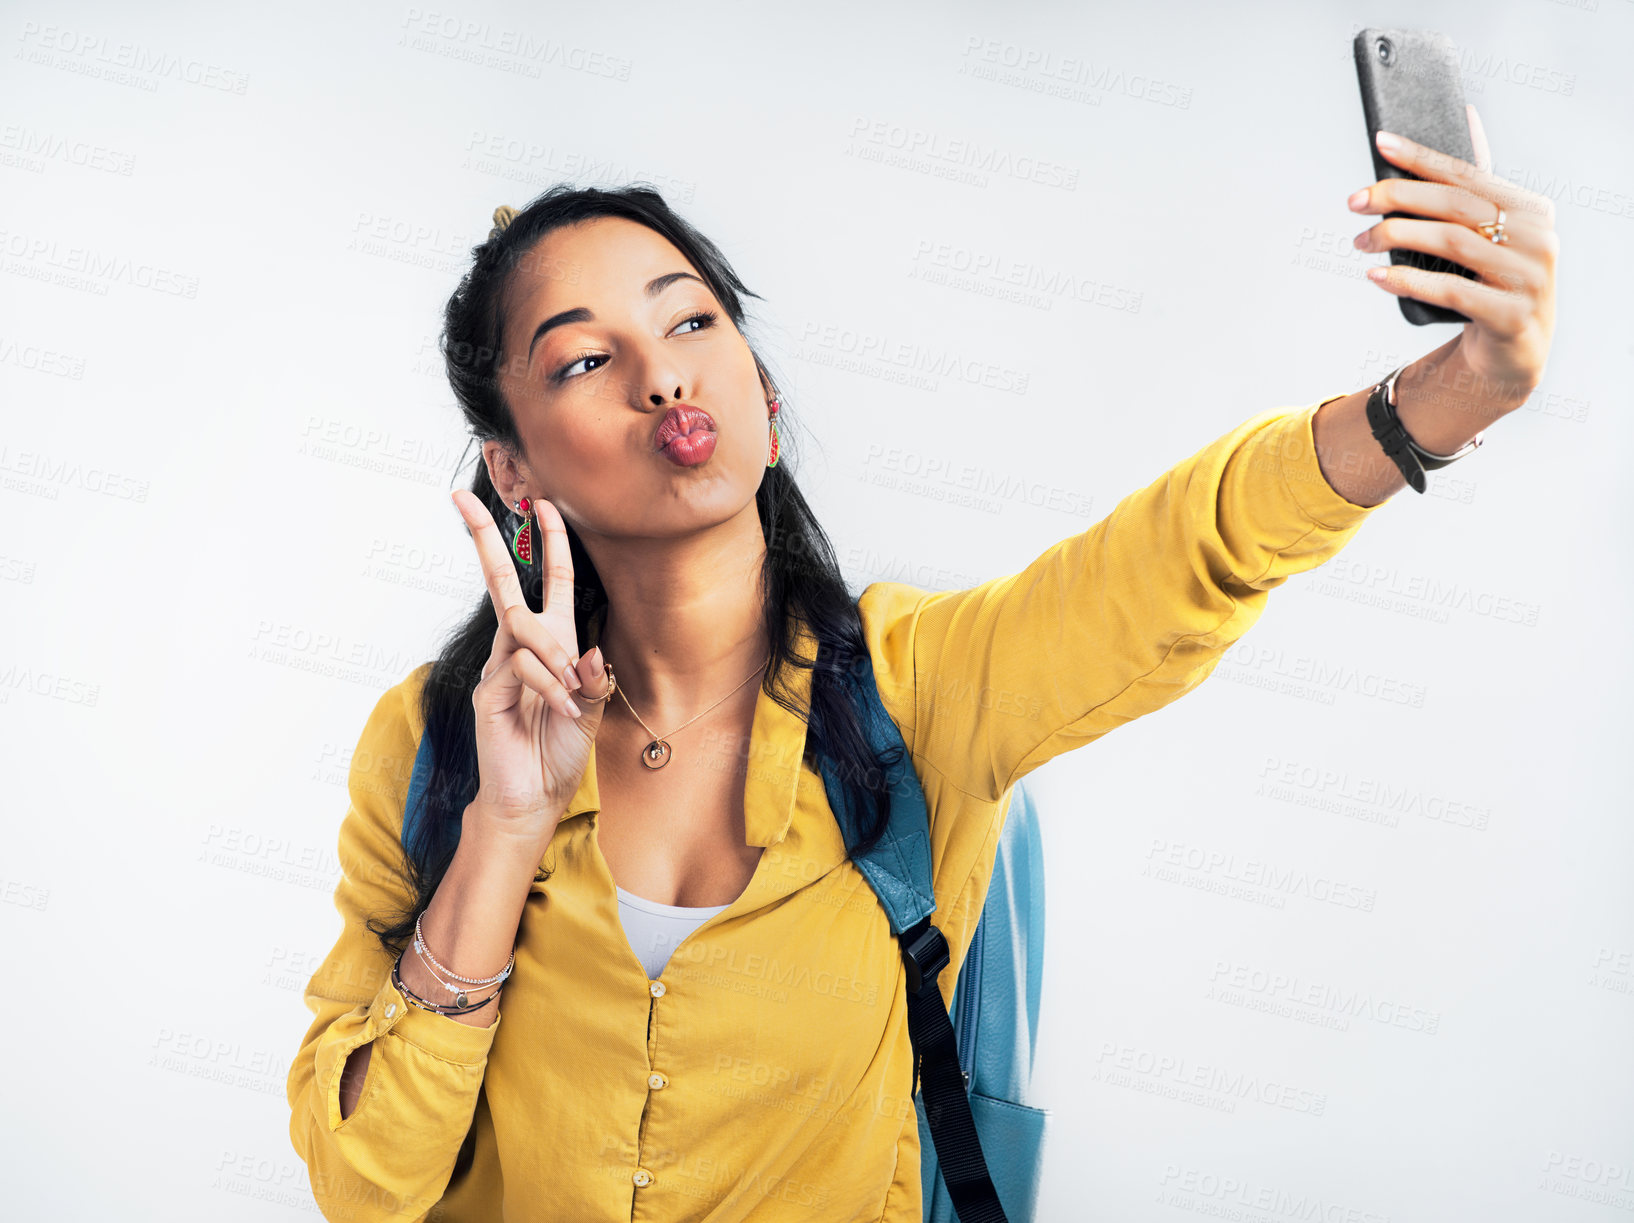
(596,681)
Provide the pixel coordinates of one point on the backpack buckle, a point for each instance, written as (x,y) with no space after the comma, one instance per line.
(925,953)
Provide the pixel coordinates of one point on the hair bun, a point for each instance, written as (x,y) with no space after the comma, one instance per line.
(503,216)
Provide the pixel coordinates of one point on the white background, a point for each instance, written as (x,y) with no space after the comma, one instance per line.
(227,530)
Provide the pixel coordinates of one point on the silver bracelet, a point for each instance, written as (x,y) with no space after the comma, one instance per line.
(460,997)
(1428,459)
(431,960)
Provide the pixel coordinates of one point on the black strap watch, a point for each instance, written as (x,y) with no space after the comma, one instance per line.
(1409,456)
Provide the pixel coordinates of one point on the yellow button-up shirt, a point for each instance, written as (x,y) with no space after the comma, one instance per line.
(765,1075)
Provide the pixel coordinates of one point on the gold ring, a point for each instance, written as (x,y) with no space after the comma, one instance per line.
(612,686)
(1494,231)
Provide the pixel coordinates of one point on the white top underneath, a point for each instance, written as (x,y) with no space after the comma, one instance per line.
(656,930)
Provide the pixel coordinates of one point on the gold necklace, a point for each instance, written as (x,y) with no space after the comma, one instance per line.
(657,752)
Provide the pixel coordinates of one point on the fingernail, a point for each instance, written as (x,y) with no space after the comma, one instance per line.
(1359,200)
(594,659)
(574,711)
(1389,142)
(573,677)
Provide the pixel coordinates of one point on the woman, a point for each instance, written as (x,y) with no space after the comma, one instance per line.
(639,873)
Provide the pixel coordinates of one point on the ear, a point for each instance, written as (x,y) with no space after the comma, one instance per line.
(511,478)
(1477,136)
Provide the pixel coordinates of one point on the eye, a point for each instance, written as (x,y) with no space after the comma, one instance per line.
(562,375)
(704,318)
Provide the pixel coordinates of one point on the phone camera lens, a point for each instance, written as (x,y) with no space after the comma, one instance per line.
(1385,51)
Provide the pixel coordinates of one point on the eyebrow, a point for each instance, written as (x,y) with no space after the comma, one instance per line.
(579,314)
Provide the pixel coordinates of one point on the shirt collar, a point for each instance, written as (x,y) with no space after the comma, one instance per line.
(777,745)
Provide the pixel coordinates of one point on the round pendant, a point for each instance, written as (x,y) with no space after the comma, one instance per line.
(459,998)
(657,754)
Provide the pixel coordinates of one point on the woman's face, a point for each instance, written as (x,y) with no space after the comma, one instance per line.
(590,390)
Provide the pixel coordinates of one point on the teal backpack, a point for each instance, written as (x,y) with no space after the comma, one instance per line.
(981,1143)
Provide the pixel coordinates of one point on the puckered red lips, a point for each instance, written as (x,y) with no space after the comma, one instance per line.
(679,421)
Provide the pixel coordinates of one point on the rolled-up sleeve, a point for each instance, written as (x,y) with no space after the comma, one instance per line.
(1121,619)
(393,1155)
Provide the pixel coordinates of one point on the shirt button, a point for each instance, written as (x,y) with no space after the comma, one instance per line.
(391,1009)
(656,1080)
(642,1177)
(656,988)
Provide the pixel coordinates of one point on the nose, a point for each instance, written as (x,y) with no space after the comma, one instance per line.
(657,373)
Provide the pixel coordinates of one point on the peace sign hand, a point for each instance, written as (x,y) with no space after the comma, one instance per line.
(533,731)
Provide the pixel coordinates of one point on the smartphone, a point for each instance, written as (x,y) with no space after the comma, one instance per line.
(1410,86)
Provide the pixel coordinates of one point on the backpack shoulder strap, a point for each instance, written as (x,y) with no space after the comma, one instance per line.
(898,867)
(419,779)
(899,870)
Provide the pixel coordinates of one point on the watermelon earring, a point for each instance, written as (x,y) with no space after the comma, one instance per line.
(775,407)
(522,539)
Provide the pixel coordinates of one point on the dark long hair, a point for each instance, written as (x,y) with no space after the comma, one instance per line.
(800,577)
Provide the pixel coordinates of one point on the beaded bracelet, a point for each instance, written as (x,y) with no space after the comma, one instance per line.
(461,994)
(426,1004)
(420,946)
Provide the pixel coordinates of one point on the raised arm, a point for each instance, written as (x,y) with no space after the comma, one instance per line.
(392,1154)
(1123,618)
